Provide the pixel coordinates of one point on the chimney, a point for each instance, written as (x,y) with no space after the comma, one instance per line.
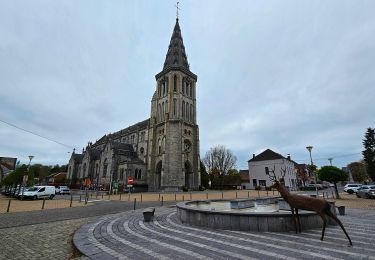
(253,155)
(288,157)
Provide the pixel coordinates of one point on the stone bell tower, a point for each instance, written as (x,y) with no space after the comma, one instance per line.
(174,134)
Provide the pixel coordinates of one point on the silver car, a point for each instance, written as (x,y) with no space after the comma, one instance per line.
(364,191)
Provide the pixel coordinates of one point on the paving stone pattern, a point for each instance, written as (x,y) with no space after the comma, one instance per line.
(40,241)
(126,236)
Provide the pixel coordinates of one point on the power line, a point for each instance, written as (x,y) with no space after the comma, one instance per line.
(30,132)
(331,157)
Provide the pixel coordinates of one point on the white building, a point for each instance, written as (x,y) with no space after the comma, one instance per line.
(270,159)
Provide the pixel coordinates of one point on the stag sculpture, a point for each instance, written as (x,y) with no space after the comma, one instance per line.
(296,202)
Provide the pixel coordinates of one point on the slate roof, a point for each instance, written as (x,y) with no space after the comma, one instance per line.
(267,155)
(77,157)
(176,57)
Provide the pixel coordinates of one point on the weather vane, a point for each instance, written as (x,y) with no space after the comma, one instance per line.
(177,8)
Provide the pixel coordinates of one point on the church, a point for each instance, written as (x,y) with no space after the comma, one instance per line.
(160,153)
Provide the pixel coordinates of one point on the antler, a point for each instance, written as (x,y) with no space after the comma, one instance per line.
(283,172)
(272,178)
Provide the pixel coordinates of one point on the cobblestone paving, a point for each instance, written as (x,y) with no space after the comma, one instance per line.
(126,236)
(40,241)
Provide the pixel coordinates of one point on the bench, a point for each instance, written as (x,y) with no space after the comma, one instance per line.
(148,214)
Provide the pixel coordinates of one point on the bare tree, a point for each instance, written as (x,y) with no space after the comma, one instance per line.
(219,158)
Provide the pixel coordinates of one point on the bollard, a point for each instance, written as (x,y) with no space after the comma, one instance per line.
(248,194)
(8,205)
(120,196)
(267,193)
(183,197)
(190,196)
(175,197)
(207,195)
(236,195)
(135,202)
(159,196)
(162,201)
(222,195)
(71,201)
(80,198)
(86,200)
(141,197)
(258,194)
(44,201)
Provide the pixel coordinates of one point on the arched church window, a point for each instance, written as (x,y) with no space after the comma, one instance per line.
(159,112)
(105,166)
(159,90)
(191,113)
(175,83)
(84,170)
(162,110)
(163,87)
(187,111)
(183,87)
(183,109)
(174,107)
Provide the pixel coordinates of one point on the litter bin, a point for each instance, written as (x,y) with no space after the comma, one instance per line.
(341,210)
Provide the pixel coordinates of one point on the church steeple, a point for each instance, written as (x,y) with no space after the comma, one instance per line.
(176,55)
(176,58)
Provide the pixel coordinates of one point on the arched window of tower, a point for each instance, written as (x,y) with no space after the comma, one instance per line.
(191,113)
(183,109)
(175,83)
(174,107)
(187,111)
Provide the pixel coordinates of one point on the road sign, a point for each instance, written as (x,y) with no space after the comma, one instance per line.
(130,180)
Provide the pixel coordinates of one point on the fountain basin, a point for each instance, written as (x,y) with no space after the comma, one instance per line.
(264,217)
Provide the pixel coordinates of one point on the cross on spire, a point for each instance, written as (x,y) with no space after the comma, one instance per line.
(177,8)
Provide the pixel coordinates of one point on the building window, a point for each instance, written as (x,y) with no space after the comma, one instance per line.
(174,107)
(166,107)
(163,85)
(175,84)
(262,183)
(105,166)
(121,174)
(159,90)
(138,174)
(142,150)
(187,111)
(183,87)
(191,113)
(183,109)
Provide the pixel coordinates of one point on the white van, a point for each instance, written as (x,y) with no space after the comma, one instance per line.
(40,192)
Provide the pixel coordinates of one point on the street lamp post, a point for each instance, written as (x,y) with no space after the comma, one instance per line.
(309,148)
(24,180)
(330,161)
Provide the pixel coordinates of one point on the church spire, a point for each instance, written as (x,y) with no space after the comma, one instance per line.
(176,58)
(176,55)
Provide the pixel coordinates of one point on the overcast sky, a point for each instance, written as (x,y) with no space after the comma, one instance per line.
(271,74)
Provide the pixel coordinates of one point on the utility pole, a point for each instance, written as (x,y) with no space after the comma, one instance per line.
(330,161)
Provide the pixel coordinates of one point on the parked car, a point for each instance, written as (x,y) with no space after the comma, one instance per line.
(364,191)
(40,192)
(62,190)
(312,185)
(352,188)
(371,194)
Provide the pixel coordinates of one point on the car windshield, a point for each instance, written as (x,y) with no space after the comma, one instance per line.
(33,189)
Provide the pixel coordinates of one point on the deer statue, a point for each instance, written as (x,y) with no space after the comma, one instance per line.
(296,202)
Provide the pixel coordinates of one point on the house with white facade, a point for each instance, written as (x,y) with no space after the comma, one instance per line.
(271,160)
